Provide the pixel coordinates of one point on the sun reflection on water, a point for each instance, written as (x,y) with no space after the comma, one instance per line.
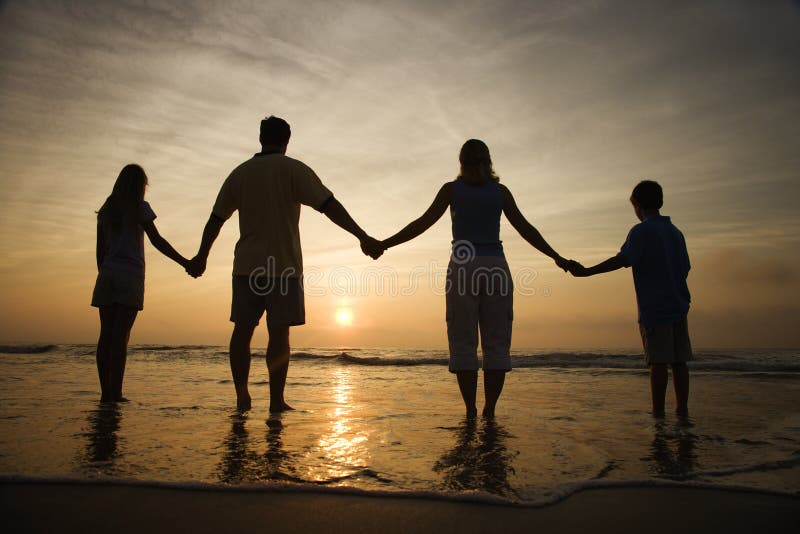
(343,446)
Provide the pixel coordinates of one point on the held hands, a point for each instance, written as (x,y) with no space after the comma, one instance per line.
(572,267)
(372,247)
(196,266)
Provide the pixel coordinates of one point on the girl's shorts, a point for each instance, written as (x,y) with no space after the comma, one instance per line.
(118,287)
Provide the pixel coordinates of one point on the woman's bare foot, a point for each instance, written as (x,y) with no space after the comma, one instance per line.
(472,413)
(282,407)
(243,404)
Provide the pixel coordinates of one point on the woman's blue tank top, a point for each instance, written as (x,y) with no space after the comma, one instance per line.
(475,211)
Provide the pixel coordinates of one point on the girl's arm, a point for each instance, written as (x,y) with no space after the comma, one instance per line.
(527,230)
(162,245)
(418,226)
(100,251)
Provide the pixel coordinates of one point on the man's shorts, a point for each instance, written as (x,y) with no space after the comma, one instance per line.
(667,343)
(480,296)
(118,287)
(281,298)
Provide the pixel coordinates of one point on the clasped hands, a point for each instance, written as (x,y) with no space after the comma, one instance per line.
(572,267)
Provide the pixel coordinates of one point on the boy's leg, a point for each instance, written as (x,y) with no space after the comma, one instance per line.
(124,317)
(680,378)
(658,387)
(492,387)
(104,352)
(240,362)
(278,366)
(468,384)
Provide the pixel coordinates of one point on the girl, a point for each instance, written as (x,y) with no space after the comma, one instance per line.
(478,288)
(119,290)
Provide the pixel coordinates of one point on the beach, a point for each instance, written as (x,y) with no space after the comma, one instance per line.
(378,442)
(48,507)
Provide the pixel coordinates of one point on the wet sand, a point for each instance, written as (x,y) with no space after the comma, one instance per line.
(55,507)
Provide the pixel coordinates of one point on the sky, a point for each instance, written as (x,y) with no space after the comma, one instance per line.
(578,101)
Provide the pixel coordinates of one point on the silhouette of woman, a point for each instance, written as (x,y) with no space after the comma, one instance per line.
(479,287)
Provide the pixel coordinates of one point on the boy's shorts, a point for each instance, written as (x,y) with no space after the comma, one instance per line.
(118,287)
(480,295)
(667,343)
(281,298)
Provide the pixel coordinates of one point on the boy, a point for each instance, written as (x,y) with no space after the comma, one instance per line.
(656,251)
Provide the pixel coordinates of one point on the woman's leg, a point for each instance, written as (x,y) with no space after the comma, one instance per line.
(104,352)
(124,318)
(468,384)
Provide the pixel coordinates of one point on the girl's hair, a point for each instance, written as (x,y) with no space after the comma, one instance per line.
(476,163)
(121,208)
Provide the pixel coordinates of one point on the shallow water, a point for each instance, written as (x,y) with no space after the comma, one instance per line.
(392,420)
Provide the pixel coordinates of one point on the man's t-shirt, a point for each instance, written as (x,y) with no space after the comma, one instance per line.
(268,190)
(124,249)
(656,250)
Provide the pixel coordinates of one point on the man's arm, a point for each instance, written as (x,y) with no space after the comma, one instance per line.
(611,264)
(197,265)
(162,245)
(425,221)
(528,232)
(337,213)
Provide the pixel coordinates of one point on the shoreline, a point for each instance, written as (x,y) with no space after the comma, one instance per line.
(35,506)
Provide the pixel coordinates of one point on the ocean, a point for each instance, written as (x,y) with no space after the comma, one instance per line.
(390,422)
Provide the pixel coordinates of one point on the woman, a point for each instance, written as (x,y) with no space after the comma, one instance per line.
(479,288)
(119,291)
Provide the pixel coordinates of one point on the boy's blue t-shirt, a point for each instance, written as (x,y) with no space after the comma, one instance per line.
(656,250)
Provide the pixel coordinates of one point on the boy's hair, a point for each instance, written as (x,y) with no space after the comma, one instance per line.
(274,131)
(648,195)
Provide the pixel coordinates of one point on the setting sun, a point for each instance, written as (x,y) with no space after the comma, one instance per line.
(344,317)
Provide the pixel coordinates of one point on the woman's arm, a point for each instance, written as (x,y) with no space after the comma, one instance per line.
(418,226)
(162,245)
(527,230)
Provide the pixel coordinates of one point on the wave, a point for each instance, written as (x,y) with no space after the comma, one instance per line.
(26,349)
(538,498)
(769,368)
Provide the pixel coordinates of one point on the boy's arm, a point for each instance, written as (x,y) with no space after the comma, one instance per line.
(611,264)
(162,245)
(527,230)
(425,221)
(197,265)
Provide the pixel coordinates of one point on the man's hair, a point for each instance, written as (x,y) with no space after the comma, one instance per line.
(648,195)
(275,131)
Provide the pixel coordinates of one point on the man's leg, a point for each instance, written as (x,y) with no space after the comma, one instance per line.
(240,362)
(658,387)
(680,377)
(468,384)
(278,366)
(493,381)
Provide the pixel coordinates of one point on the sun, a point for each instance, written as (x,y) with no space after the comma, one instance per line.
(344,317)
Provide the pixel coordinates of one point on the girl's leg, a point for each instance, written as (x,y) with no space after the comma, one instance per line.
(468,384)
(104,352)
(492,387)
(124,318)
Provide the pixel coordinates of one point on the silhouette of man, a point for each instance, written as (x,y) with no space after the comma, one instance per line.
(268,190)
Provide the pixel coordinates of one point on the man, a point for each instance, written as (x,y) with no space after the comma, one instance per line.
(268,190)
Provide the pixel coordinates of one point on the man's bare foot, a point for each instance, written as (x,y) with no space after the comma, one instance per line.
(243,404)
(658,414)
(282,407)
(120,398)
(488,412)
(472,413)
